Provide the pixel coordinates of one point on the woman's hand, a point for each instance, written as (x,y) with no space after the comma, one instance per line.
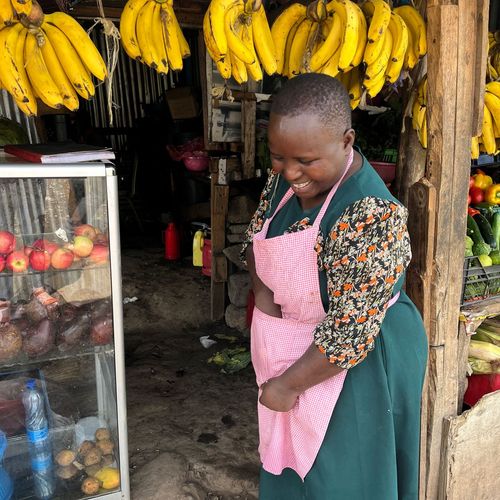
(278,396)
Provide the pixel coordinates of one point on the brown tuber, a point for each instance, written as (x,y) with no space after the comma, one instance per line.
(92,457)
(92,470)
(67,472)
(102,433)
(65,457)
(85,447)
(90,486)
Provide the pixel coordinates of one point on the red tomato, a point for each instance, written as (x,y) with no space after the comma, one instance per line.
(469,199)
(471,182)
(476,195)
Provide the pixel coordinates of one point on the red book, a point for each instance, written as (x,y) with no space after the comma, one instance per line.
(59,152)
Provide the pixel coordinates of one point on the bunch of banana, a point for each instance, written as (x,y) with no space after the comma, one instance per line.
(238,39)
(419,114)
(493,56)
(49,57)
(151,34)
(487,141)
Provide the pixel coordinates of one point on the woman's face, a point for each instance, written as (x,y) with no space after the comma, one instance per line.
(308,155)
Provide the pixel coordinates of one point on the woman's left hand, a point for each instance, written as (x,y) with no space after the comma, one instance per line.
(277,396)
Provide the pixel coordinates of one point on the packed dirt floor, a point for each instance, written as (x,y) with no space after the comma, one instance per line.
(192,431)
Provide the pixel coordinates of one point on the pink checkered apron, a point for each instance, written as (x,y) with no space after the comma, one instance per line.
(288,266)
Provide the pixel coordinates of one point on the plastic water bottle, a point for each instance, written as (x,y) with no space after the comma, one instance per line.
(37,431)
(6,485)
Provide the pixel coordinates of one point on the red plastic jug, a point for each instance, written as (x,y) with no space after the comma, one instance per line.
(207,258)
(172,242)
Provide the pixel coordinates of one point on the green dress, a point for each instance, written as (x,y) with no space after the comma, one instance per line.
(371,448)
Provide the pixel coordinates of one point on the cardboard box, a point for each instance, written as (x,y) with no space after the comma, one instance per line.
(182,103)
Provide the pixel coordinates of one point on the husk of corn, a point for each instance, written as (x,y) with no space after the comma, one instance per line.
(482,367)
(484,350)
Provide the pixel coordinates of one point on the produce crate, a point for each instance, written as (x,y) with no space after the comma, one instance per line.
(479,283)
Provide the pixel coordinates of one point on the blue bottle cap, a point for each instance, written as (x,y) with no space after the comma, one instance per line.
(31,383)
(3,444)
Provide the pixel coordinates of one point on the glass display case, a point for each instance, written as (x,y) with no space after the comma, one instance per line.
(63,431)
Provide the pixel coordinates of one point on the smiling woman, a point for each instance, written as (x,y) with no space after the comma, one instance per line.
(337,346)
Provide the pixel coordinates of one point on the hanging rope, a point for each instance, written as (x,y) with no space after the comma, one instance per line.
(112,41)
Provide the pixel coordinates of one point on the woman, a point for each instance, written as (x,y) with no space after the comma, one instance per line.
(338,348)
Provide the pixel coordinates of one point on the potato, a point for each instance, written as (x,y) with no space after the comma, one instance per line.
(67,472)
(106,446)
(107,460)
(102,433)
(90,486)
(85,447)
(92,457)
(65,458)
(92,470)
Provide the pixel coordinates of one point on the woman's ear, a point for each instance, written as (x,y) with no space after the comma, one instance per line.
(349,136)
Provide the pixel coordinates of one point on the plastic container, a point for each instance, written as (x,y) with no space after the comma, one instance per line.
(6,484)
(386,170)
(172,242)
(37,432)
(479,283)
(207,258)
(196,163)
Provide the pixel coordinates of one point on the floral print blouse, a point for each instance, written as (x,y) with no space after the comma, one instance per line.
(364,255)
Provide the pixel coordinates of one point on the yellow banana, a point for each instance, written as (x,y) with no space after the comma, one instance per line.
(312,41)
(416,25)
(487,132)
(263,40)
(70,61)
(22,7)
(474,148)
(238,70)
(492,71)
(234,21)
(14,76)
(281,29)
(144,34)
(316,11)
(355,89)
(254,70)
(216,19)
(380,13)
(350,39)
(288,47)
(128,20)
(417,115)
(373,50)
(298,47)
(158,40)
(331,67)
(330,45)
(56,71)
(183,44)
(224,66)
(362,36)
(411,55)
(173,47)
(85,47)
(210,44)
(39,75)
(422,133)
(379,66)
(374,86)
(493,104)
(399,32)
(7,13)
(494,88)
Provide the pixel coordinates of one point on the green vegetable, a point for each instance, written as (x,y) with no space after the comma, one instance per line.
(485,260)
(469,242)
(495,227)
(469,252)
(487,209)
(481,249)
(486,230)
(495,257)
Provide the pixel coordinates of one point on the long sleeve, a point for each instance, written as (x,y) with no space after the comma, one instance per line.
(364,256)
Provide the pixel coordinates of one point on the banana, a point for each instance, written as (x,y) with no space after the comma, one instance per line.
(128,20)
(350,39)
(7,13)
(288,47)
(316,11)
(183,44)
(416,25)
(493,88)
(474,148)
(173,46)
(22,7)
(362,36)
(14,76)
(56,71)
(374,86)
(39,75)
(144,34)
(493,104)
(216,19)
(254,70)
(210,44)
(70,61)
(417,115)
(238,70)
(355,89)
(399,32)
(331,68)
(422,133)
(492,71)
(330,45)
(158,40)
(380,13)
(487,132)
(379,66)
(263,40)
(85,47)
(298,47)
(281,29)
(373,50)
(224,66)
(234,21)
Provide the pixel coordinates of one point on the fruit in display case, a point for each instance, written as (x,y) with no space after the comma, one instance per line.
(17,261)
(39,260)
(62,258)
(99,254)
(109,477)
(2,263)
(7,242)
(82,246)
(91,486)
(42,244)
(86,230)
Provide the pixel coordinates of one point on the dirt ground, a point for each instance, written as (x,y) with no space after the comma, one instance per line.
(192,431)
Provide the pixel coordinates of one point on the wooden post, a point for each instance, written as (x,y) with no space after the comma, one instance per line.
(248,118)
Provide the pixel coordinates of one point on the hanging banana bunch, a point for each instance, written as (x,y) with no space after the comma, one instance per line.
(238,39)
(493,60)
(419,112)
(47,57)
(151,34)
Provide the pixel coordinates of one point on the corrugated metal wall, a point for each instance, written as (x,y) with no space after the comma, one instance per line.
(9,109)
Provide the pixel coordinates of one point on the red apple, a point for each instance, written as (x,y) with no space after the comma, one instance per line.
(17,261)
(2,263)
(39,259)
(62,258)
(7,242)
(99,254)
(27,251)
(86,230)
(82,246)
(101,239)
(47,245)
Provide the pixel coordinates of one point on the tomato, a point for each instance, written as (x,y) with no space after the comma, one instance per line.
(469,199)
(471,182)
(476,195)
